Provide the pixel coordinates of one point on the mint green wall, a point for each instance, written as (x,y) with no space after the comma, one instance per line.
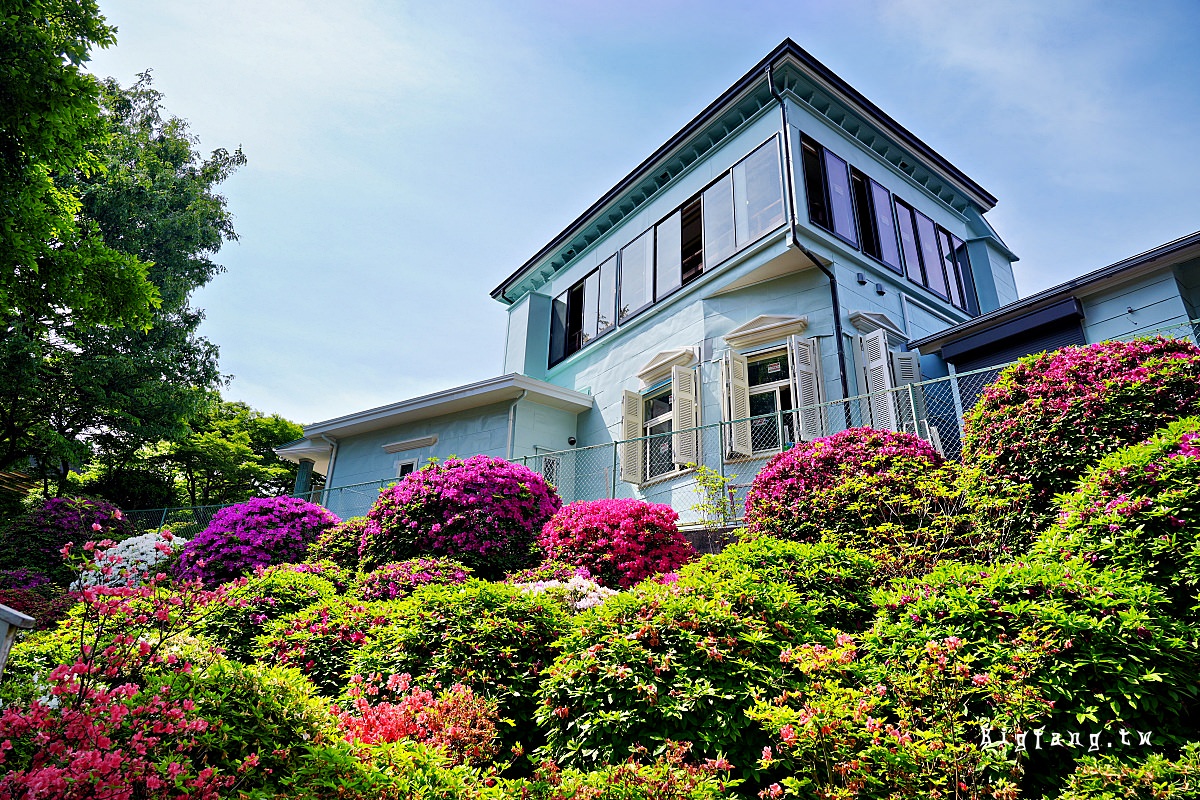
(1156,301)
(1187,275)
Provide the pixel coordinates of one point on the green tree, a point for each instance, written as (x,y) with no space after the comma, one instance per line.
(106,391)
(229,456)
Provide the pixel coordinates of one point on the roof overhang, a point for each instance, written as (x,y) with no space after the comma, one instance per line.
(709,128)
(461,398)
(1163,256)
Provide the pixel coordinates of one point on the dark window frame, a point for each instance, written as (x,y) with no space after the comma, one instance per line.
(826,190)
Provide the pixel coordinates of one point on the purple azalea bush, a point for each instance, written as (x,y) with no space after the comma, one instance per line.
(34,542)
(398,579)
(482,511)
(258,533)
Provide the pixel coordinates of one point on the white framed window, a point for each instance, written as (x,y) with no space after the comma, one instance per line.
(772,397)
(406,468)
(659,428)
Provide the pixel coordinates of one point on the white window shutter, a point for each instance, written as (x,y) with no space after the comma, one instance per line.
(633,447)
(737,370)
(877,370)
(807,395)
(685,417)
(910,403)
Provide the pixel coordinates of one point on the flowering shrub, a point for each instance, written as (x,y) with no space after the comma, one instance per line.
(1094,643)
(339,544)
(883,493)
(484,512)
(457,720)
(619,542)
(579,594)
(257,533)
(1154,778)
(139,555)
(396,580)
(904,727)
(492,637)
(249,607)
(340,578)
(22,579)
(836,583)
(1139,510)
(34,541)
(47,605)
(676,661)
(549,570)
(321,639)
(1049,417)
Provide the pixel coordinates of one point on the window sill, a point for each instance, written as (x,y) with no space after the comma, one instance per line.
(667,476)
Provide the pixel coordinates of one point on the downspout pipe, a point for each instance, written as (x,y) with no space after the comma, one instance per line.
(512,424)
(834,299)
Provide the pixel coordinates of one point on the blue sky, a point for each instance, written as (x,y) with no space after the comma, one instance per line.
(404,157)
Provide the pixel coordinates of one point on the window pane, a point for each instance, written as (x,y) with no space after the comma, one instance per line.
(575,306)
(558,329)
(591,291)
(667,271)
(658,449)
(951,269)
(757,193)
(657,406)
(964,271)
(769,370)
(789,420)
(718,221)
(637,275)
(608,296)
(691,241)
(814,185)
(764,431)
(861,192)
(839,197)
(885,226)
(908,240)
(935,279)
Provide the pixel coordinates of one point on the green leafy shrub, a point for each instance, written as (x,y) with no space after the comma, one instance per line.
(34,541)
(675,661)
(392,581)
(321,639)
(906,725)
(1095,643)
(1154,778)
(836,583)
(47,604)
(886,494)
(1050,417)
(1139,510)
(492,637)
(264,715)
(340,543)
(277,592)
(482,511)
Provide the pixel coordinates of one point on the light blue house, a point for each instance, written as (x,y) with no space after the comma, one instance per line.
(775,254)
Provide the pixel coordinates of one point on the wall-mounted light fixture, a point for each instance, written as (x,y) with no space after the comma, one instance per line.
(879,290)
(862,279)
(571,440)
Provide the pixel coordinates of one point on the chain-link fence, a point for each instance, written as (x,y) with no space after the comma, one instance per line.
(703,473)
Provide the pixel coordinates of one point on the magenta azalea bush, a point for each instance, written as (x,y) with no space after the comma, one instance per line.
(619,542)
(34,542)
(339,544)
(886,494)
(482,511)
(398,579)
(1138,511)
(1050,417)
(257,533)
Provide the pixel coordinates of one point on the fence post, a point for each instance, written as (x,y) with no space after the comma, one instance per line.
(612,487)
(163,520)
(912,404)
(956,396)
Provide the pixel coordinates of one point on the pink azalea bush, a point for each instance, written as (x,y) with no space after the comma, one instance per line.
(257,533)
(482,511)
(1050,417)
(34,542)
(886,494)
(1138,511)
(399,579)
(619,542)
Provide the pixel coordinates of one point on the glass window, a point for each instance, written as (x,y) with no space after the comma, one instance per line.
(558,329)
(964,273)
(757,194)
(908,241)
(657,416)
(606,317)
(769,369)
(860,191)
(771,427)
(951,268)
(691,240)
(591,308)
(718,221)
(935,279)
(667,273)
(840,204)
(814,184)
(885,226)
(637,275)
